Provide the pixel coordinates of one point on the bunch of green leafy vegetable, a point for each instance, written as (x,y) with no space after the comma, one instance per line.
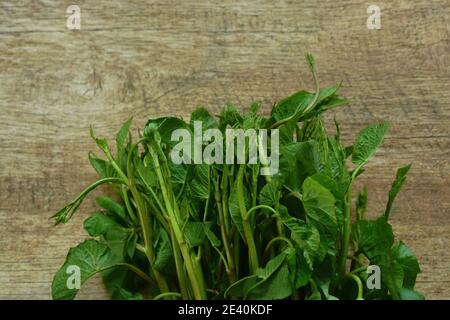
(219,231)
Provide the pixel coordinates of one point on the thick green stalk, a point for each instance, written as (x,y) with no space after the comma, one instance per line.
(248,234)
(179,267)
(174,221)
(145,222)
(225,237)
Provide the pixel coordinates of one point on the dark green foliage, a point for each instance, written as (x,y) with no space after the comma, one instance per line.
(215,231)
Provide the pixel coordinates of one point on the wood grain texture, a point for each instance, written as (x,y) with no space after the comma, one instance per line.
(154,58)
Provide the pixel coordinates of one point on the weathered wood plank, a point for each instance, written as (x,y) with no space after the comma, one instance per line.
(150,58)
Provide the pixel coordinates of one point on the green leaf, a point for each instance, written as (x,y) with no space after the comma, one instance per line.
(164,254)
(297,103)
(271,282)
(146,174)
(102,167)
(116,236)
(270,193)
(89,257)
(99,224)
(299,160)
(361,203)
(338,188)
(101,143)
(164,126)
(235,212)
(229,117)
(408,294)
(369,139)
(239,288)
(201,114)
(178,172)
(319,206)
(127,295)
(307,237)
(117,239)
(194,234)
(130,244)
(277,286)
(112,206)
(299,269)
(395,188)
(121,277)
(213,239)
(275,282)
(331,102)
(122,136)
(408,261)
(373,237)
(200,184)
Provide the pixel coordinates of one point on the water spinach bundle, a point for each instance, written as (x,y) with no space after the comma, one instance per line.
(267,215)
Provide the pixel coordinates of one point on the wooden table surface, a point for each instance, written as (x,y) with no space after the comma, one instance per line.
(154,58)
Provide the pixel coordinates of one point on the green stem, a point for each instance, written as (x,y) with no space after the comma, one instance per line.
(224,196)
(145,222)
(158,215)
(126,200)
(179,267)
(255,173)
(271,242)
(167,294)
(298,113)
(237,251)
(359,284)
(346,232)
(261,206)
(248,234)
(358,270)
(137,271)
(174,221)
(64,215)
(226,241)
(115,165)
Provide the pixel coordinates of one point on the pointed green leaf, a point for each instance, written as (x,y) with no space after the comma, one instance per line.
(164,253)
(102,167)
(369,139)
(122,136)
(395,188)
